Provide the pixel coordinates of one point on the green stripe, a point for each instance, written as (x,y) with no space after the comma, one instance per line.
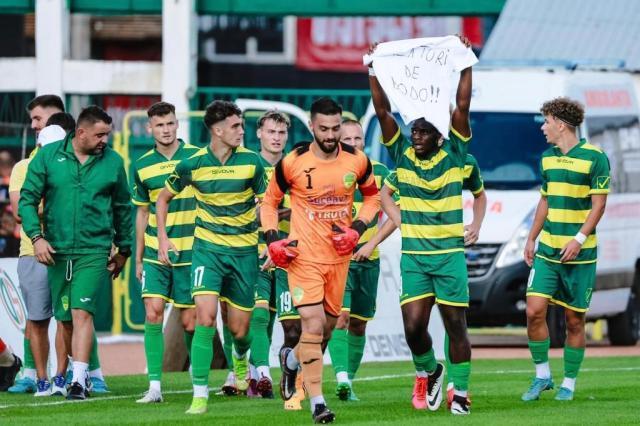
(422,244)
(431,218)
(199,244)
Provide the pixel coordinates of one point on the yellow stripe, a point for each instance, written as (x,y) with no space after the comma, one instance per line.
(159,296)
(432,231)
(559,241)
(235,305)
(346,309)
(410,177)
(546,296)
(478,191)
(183,306)
(446,302)
(241,240)
(591,147)
(565,163)
(567,216)
(433,251)
(241,220)
(571,262)
(392,140)
(565,305)
(183,243)
(413,299)
(140,203)
(185,193)
(431,206)
(170,189)
(567,190)
(599,191)
(203,293)
(187,217)
(288,317)
(391,186)
(467,171)
(425,164)
(361,318)
(220,199)
(543,192)
(463,138)
(223,172)
(157,262)
(158,169)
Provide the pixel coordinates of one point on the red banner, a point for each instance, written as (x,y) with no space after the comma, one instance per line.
(337,44)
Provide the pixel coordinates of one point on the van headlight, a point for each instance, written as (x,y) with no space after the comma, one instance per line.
(513,251)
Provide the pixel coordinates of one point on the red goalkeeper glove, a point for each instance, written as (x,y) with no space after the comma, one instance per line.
(346,239)
(280,252)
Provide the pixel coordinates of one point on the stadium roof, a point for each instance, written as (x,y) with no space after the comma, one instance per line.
(582,33)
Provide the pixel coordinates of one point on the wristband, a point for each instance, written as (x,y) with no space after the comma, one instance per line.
(580,238)
(271,236)
(372,73)
(125,252)
(359,226)
(36,238)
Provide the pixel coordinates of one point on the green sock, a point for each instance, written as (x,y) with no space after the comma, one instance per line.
(425,362)
(94,359)
(259,337)
(339,350)
(572,360)
(227,346)
(241,346)
(153,349)
(539,350)
(447,359)
(202,350)
(272,322)
(28,355)
(188,340)
(356,350)
(460,375)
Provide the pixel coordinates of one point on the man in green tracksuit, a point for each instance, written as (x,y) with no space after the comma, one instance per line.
(86,210)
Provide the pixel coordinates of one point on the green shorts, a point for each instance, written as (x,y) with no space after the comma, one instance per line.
(171,283)
(75,281)
(568,285)
(441,275)
(362,289)
(284,303)
(266,288)
(230,276)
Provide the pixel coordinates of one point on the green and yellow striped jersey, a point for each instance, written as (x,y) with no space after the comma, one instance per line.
(472,178)
(380,173)
(150,172)
(225,198)
(430,194)
(283,225)
(568,181)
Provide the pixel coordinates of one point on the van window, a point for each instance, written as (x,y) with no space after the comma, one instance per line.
(619,138)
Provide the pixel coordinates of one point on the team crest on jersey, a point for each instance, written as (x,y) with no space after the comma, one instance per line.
(603,182)
(349,179)
(298,294)
(65,302)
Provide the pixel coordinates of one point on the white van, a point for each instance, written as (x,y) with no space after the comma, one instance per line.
(508,143)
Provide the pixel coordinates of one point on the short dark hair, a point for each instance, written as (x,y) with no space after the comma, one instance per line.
(92,115)
(564,109)
(46,101)
(218,111)
(64,120)
(160,109)
(351,122)
(274,115)
(325,106)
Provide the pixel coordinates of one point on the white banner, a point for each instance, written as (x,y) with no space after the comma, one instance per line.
(13,313)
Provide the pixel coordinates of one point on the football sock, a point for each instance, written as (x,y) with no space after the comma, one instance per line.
(356,350)
(540,355)
(339,350)
(309,352)
(154,349)
(572,360)
(260,339)
(28,355)
(94,359)
(79,372)
(202,351)
(425,362)
(188,340)
(241,346)
(227,345)
(460,375)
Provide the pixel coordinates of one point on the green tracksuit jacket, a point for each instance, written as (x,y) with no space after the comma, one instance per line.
(86,206)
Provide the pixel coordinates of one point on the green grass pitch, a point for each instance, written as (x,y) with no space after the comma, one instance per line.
(608,392)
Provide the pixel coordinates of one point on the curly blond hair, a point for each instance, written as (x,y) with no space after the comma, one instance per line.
(564,109)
